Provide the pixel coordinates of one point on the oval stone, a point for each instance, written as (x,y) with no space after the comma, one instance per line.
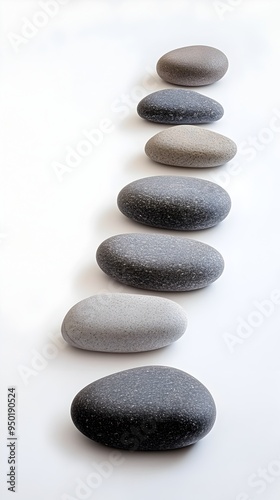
(173,202)
(179,107)
(193,66)
(150,408)
(120,322)
(159,262)
(191,147)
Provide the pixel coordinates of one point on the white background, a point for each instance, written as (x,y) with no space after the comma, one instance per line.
(68,76)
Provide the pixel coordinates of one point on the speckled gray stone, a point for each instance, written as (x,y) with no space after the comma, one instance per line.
(150,408)
(173,202)
(159,262)
(179,107)
(193,66)
(190,146)
(120,322)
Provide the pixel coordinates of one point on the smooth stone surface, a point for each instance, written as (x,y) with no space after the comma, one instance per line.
(145,409)
(120,322)
(191,147)
(193,66)
(172,202)
(179,107)
(159,262)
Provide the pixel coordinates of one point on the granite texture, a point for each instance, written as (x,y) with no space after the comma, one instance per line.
(190,146)
(173,202)
(150,408)
(179,107)
(120,322)
(193,66)
(159,262)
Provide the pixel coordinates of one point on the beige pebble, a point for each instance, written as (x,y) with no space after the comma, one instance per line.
(190,146)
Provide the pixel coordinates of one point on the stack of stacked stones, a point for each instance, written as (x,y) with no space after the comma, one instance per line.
(157,407)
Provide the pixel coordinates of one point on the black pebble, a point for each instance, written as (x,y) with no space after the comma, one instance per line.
(145,409)
(179,107)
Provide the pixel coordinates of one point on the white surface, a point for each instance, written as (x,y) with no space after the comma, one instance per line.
(66,78)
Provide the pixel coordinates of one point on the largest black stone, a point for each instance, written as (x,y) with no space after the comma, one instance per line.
(179,107)
(159,262)
(144,409)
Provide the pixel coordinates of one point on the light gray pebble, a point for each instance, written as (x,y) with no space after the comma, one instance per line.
(120,322)
(191,147)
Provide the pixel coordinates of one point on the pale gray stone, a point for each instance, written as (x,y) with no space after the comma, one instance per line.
(120,322)
(191,147)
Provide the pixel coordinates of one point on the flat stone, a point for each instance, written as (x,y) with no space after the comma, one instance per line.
(193,66)
(159,262)
(120,322)
(173,202)
(150,408)
(191,147)
(179,107)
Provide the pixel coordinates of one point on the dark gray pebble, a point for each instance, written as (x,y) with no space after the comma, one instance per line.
(150,408)
(173,202)
(159,262)
(179,107)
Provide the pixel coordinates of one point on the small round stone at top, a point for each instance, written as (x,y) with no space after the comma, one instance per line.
(193,66)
